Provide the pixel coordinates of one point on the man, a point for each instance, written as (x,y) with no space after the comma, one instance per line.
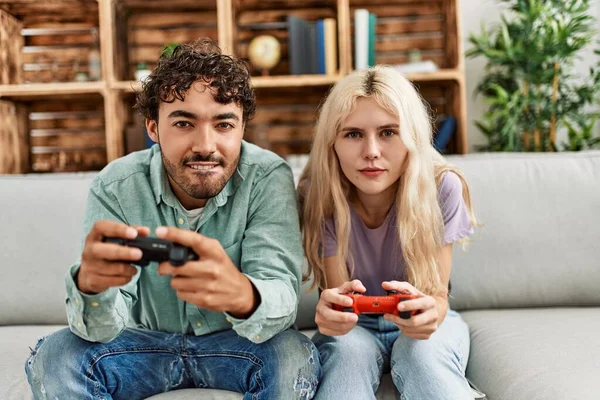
(219,322)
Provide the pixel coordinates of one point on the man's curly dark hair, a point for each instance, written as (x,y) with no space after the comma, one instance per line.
(200,60)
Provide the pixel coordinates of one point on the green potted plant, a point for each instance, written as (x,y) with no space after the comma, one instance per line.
(529,86)
(168,49)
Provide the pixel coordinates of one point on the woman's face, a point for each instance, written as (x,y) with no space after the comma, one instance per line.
(369,148)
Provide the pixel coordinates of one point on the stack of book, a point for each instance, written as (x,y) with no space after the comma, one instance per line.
(312,46)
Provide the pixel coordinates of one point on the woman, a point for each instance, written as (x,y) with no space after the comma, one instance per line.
(380,211)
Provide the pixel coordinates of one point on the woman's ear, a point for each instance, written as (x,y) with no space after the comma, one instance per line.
(152,128)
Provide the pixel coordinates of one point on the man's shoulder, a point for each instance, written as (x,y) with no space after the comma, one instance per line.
(255,157)
(133,165)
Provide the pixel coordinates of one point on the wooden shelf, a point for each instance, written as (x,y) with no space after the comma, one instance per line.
(24,91)
(126,86)
(294,80)
(308,80)
(437,76)
(258,82)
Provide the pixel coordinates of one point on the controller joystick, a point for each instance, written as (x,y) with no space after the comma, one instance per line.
(362,304)
(157,250)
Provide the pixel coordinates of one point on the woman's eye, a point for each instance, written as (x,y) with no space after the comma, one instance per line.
(182,124)
(388,133)
(353,135)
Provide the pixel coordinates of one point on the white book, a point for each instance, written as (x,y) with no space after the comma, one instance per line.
(361,38)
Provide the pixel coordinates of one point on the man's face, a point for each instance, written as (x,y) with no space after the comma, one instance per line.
(200,141)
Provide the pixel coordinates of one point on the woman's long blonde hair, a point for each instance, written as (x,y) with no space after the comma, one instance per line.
(324,190)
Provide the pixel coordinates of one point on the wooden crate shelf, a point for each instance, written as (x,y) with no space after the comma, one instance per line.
(144,28)
(65,135)
(430,27)
(57,33)
(285,118)
(56,39)
(253,18)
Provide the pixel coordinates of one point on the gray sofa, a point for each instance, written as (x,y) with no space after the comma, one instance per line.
(528,286)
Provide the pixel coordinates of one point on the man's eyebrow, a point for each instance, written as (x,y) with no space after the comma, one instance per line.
(182,114)
(229,115)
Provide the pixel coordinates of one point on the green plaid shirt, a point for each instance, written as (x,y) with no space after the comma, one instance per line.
(254,218)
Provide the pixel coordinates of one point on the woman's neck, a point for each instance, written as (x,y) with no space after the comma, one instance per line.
(373,209)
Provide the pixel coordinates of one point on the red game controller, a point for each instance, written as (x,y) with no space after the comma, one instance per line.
(362,304)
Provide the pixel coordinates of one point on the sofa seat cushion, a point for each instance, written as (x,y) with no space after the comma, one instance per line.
(16,341)
(535,354)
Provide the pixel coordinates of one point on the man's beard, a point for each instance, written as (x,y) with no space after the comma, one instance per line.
(201,187)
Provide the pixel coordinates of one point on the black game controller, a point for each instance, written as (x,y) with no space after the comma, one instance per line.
(158,250)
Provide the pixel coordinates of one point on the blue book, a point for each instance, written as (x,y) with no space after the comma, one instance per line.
(320,46)
(296,44)
(445,131)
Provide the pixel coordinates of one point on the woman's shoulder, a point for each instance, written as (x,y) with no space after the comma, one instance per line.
(450,183)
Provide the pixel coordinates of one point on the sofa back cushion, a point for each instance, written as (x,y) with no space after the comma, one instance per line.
(540,240)
(40,237)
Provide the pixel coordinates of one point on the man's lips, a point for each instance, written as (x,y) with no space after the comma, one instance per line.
(203,166)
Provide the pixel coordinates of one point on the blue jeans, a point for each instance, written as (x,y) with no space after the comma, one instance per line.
(432,369)
(141,363)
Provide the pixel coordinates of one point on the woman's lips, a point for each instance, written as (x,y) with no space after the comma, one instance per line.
(372,172)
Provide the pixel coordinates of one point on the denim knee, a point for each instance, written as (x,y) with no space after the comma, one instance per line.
(54,361)
(433,368)
(352,364)
(296,370)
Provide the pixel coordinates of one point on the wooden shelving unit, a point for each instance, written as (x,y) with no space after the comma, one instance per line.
(57,34)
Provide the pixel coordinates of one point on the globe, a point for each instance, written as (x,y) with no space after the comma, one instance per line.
(264,52)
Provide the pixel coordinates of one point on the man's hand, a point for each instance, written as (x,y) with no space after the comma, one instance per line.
(213,282)
(104,265)
(331,322)
(422,325)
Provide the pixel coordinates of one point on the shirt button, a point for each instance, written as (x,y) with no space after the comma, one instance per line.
(228,319)
(77,301)
(199,323)
(94,304)
(180,220)
(257,337)
(79,324)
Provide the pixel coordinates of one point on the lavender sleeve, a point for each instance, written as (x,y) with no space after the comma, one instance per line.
(457,223)
(329,239)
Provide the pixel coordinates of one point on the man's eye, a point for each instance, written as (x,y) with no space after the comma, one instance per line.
(224,125)
(182,124)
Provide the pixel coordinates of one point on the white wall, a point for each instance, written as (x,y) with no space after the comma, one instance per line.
(473,14)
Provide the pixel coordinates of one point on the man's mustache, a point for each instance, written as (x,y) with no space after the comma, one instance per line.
(201,158)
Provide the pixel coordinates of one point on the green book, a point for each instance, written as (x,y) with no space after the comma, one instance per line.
(372,38)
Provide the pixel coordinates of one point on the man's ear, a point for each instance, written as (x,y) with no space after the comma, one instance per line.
(152,128)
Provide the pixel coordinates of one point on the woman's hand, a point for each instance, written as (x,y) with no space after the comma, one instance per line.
(419,326)
(330,321)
